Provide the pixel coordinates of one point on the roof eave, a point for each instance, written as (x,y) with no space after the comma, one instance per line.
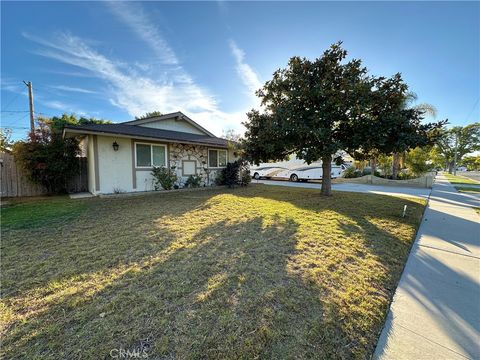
(67,130)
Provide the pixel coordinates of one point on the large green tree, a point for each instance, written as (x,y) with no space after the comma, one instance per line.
(316,108)
(309,110)
(464,139)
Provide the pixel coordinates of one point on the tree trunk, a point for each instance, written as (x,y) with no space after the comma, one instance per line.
(395,166)
(450,167)
(326,176)
(373,165)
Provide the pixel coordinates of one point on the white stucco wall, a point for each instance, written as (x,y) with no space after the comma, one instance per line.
(144,181)
(174,125)
(115,167)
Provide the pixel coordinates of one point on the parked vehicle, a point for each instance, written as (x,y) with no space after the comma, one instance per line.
(310,173)
(297,169)
(265,172)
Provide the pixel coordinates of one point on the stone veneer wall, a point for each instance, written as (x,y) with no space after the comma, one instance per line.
(179,152)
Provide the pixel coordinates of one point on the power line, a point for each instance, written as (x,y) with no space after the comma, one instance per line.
(473,109)
(11,102)
(14,111)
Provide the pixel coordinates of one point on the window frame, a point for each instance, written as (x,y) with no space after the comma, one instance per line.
(218,162)
(151,154)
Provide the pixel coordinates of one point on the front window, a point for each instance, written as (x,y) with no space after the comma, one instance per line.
(217,158)
(148,155)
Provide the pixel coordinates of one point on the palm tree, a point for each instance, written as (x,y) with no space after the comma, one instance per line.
(426,108)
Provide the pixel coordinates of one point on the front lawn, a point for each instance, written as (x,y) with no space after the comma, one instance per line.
(258,272)
(460,180)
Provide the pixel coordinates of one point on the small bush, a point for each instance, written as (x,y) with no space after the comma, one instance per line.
(351,173)
(193,181)
(163,178)
(367,171)
(245,177)
(403,175)
(220,178)
(234,173)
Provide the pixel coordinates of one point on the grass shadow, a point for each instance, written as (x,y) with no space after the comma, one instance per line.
(247,273)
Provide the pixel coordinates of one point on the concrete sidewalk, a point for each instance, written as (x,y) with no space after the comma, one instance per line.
(435,313)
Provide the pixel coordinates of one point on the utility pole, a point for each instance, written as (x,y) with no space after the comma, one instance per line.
(455,155)
(30,97)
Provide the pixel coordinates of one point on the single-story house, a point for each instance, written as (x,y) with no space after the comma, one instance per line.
(121,156)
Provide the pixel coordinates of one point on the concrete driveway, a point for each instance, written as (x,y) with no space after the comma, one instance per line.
(363,188)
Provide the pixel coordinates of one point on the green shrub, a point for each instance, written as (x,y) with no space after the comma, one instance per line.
(351,173)
(245,177)
(235,173)
(193,181)
(163,178)
(404,175)
(368,171)
(220,178)
(48,159)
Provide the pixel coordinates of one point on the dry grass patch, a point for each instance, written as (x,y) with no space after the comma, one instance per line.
(258,272)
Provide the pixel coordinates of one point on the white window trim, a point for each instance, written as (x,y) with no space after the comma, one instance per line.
(218,166)
(151,154)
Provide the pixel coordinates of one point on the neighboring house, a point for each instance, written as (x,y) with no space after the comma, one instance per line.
(121,156)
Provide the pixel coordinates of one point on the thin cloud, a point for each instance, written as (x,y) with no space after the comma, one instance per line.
(73,89)
(135,18)
(137,93)
(246,73)
(62,107)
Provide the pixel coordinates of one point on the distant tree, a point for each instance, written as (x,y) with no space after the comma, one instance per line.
(234,141)
(148,115)
(231,135)
(436,158)
(418,161)
(385,164)
(468,141)
(5,139)
(309,110)
(471,162)
(57,123)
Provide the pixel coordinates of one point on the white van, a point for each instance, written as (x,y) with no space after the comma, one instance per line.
(295,170)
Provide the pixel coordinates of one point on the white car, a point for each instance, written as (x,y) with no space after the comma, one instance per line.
(266,172)
(310,173)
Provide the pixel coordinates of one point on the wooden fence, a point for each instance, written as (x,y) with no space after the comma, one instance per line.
(14,182)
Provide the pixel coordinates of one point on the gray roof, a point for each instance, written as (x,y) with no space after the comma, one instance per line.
(147,132)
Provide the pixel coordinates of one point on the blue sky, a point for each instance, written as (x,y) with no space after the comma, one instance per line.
(118,60)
